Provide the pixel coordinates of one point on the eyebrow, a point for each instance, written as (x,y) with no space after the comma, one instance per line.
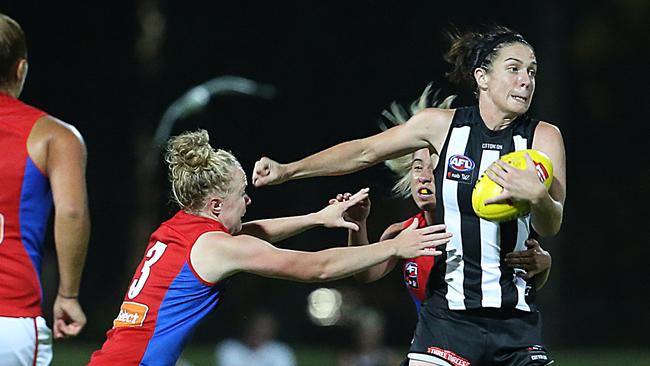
(534,62)
(416,161)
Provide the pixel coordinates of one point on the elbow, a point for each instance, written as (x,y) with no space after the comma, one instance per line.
(72,212)
(323,276)
(367,156)
(322,273)
(548,231)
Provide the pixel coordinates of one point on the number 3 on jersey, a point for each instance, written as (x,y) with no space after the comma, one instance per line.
(154,255)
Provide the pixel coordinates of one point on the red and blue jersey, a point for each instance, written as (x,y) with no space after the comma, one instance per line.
(25,204)
(416,270)
(166,298)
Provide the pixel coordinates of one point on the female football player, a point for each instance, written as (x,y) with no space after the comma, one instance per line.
(477,311)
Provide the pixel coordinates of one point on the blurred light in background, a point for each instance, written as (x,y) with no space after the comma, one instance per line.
(324,306)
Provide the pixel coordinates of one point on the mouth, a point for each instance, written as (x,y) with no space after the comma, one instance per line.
(520,99)
(424,191)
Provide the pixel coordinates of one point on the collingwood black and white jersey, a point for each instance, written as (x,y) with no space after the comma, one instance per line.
(472,273)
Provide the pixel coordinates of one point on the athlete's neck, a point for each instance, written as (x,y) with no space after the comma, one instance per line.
(430,217)
(494,118)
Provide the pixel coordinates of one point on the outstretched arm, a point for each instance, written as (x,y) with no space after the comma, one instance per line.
(273,230)
(426,129)
(216,256)
(66,166)
(379,270)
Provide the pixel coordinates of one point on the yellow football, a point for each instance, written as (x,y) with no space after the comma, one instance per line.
(486,188)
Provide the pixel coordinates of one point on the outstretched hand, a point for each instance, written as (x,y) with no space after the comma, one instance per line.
(267,172)
(335,214)
(357,213)
(414,242)
(518,184)
(69,318)
(533,260)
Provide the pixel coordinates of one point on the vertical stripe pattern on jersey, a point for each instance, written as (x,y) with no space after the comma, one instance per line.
(472,274)
(490,248)
(454,263)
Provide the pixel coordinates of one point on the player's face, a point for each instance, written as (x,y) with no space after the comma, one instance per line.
(511,79)
(423,187)
(233,206)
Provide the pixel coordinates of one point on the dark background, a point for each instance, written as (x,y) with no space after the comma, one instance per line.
(112,68)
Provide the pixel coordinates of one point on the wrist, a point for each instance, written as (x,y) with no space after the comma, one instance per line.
(67,296)
(287,171)
(315,219)
(541,195)
(392,245)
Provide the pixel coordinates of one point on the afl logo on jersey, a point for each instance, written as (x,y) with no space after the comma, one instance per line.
(460,168)
(411,274)
(461,163)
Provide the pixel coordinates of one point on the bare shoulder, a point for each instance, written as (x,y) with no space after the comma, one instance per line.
(212,255)
(547,129)
(218,255)
(436,115)
(222,245)
(548,137)
(58,129)
(432,125)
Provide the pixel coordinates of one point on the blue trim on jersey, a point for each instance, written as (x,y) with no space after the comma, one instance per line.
(34,212)
(417,302)
(186,302)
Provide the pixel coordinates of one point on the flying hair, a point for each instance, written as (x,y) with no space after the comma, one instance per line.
(397,115)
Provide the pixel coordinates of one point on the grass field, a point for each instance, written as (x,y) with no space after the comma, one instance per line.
(75,354)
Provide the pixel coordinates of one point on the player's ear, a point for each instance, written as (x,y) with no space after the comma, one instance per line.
(21,70)
(481,76)
(215,205)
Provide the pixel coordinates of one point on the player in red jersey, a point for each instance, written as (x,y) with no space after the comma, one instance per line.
(42,161)
(182,275)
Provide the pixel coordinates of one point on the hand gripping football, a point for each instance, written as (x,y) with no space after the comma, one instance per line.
(486,188)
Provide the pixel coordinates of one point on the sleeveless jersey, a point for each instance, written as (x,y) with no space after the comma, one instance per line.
(471,273)
(166,298)
(416,270)
(25,204)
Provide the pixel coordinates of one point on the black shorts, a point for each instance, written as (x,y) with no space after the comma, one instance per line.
(484,337)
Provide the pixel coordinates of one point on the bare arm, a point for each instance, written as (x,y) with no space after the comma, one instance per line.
(523,184)
(377,271)
(217,255)
(273,230)
(358,214)
(67,170)
(61,152)
(547,210)
(426,129)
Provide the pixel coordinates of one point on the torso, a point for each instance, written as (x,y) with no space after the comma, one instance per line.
(166,298)
(471,275)
(25,204)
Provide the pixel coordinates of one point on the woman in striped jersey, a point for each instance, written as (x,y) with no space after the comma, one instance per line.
(477,311)
(415,179)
